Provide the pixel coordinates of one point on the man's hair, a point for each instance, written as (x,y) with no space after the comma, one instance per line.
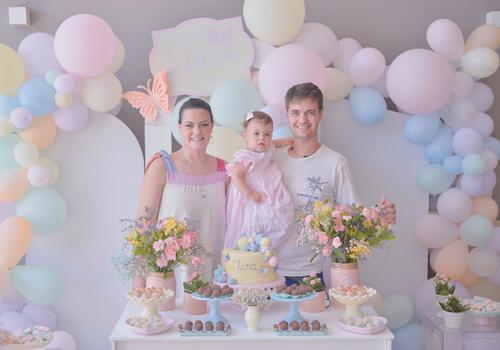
(302,92)
(196,103)
(260,117)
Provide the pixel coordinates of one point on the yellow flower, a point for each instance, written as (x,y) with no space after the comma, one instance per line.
(170,223)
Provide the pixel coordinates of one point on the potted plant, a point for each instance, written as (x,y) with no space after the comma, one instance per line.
(193,306)
(317,304)
(253,299)
(442,289)
(454,311)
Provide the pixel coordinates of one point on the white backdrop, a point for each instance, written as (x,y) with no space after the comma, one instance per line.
(101,169)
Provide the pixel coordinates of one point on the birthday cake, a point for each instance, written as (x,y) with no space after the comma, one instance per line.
(251,262)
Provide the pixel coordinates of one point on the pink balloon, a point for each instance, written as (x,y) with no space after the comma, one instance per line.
(432,258)
(452,259)
(433,231)
(367,66)
(73,118)
(38,175)
(40,315)
(277,114)
(21,117)
(467,141)
(62,340)
(37,53)
(420,81)
(454,205)
(445,37)
(85,45)
(490,158)
(286,66)
(346,49)
(13,321)
(320,39)
(481,97)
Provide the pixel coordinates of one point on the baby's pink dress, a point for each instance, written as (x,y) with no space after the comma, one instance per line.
(273,215)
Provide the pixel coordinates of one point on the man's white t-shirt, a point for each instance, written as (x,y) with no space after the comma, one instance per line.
(322,175)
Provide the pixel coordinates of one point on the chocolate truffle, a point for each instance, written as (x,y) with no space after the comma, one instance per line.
(304,325)
(315,325)
(198,325)
(209,326)
(188,325)
(294,325)
(216,293)
(219,326)
(283,325)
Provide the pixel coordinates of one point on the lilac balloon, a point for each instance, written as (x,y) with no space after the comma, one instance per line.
(495,241)
(62,340)
(462,83)
(489,182)
(425,300)
(7,209)
(490,158)
(320,39)
(367,66)
(65,84)
(21,117)
(381,84)
(481,97)
(73,118)
(277,114)
(495,277)
(14,321)
(471,185)
(492,144)
(466,141)
(40,315)
(37,53)
(483,123)
(13,305)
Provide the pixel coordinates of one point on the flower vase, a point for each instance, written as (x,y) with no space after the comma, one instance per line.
(453,319)
(137,282)
(343,274)
(440,298)
(192,306)
(252,318)
(315,305)
(157,279)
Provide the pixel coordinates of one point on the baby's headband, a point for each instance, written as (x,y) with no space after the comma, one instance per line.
(249,116)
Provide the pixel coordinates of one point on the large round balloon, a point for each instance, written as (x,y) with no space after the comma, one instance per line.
(45,208)
(37,96)
(14,321)
(445,37)
(26,153)
(367,66)
(480,62)
(398,310)
(286,66)
(419,81)
(7,104)
(346,49)
(15,239)
(73,118)
(458,113)
(466,141)
(440,147)
(320,39)
(38,284)
(101,93)
(453,165)
(469,279)
(13,184)
(486,207)
(85,45)
(473,164)
(7,146)
(434,179)
(40,315)
(11,71)
(476,230)
(481,97)
(471,185)
(452,259)
(274,21)
(224,143)
(433,231)
(367,105)
(421,129)
(483,261)
(62,340)
(42,132)
(486,35)
(454,205)
(482,123)
(37,52)
(338,85)
(52,167)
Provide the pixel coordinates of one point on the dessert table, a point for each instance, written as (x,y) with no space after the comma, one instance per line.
(241,339)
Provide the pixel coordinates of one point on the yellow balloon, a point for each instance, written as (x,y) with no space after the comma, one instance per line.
(11,71)
(6,126)
(13,184)
(52,167)
(338,84)
(119,57)
(452,259)
(486,35)
(101,93)
(480,62)
(16,234)
(42,132)
(224,143)
(485,206)
(63,100)
(4,279)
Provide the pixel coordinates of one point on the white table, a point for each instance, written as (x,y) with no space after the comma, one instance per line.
(241,339)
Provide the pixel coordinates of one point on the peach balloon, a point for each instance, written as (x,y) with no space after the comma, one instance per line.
(452,259)
(469,279)
(486,35)
(485,206)
(42,132)
(13,184)
(4,279)
(16,234)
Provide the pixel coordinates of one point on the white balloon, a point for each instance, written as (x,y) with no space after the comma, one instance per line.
(346,49)
(52,167)
(367,66)
(26,153)
(462,84)
(458,113)
(38,175)
(262,49)
(101,93)
(119,56)
(398,310)
(318,38)
(481,97)
(483,123)
(483,261)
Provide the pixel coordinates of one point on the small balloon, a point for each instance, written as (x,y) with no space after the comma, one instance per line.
(21,117)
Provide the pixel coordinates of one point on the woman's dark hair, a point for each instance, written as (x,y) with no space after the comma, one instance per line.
(196,103)
(302,92)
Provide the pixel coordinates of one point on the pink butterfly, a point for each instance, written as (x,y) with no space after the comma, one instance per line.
(157,97)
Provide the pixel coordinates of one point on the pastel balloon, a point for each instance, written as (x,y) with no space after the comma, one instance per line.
(480,62)
(15,238)
(61,340)
(398,310)
(469,279)
(489,182)
(347,47)
(7,209)
(367,66)
(486,207)
(38,284)
(473,164)
(338,85)
(459,113)
(490,159)
(37,52)
(285,67)
(454,205)
(40,315)
(41,133)
(452,259)
(62,100)
(4,280)
(318,38)
(21,117)
(11,299)
(472,185)
(119,57)
(493,145)
(13,184)
(282,132)
(262,49)
(367,105)
(381,84)
(445,37)
(14,321)
(45,208)
(26,153)
(37,96)
(6,127)
(7,146)
(7,104)
(38,175)
(495,278)
(275,22)
(421,129)
(273,261)
(224,143)
(101,93)
(116,109)
(277,114)
(481,97)
(495,241)
(408,337)
(65,83)
(462,84)
(486,35)
(73,118)
(419,81)
(85,45)
(482,123)
(476,230)
(11,71)
(432,259)
(433,231)
(483,261)
(440,147)
(434,179)
(467,141)
(52,167)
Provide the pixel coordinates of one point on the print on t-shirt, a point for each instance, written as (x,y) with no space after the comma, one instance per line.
(312,189)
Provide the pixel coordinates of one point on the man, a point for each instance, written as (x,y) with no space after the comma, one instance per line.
(310,171)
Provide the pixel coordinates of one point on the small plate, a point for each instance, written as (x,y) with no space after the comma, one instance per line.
(29,345)
(169,323)
(198,296)
(365,330)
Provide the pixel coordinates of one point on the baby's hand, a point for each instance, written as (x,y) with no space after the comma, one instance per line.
(256,197)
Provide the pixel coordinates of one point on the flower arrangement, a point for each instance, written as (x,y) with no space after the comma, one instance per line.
(313,282)
(194,283)
(346,233)
(453,304)
(164,245)
(252,297)
(441,286)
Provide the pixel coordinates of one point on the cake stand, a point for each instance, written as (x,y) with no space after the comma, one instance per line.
(280,280)
(150,305)
(214,314)
(30,345)
(294,312)
(483,318)
(352,303)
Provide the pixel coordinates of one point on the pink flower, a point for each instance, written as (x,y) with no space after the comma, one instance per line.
(346,217)
(339,227)
(326,250)
(158,246)
(313,273)
(313,282)
(308,219)
(336,214)
(161,262)
(336,242)
(196,261)
(188,240)
(322,238)
(170,252)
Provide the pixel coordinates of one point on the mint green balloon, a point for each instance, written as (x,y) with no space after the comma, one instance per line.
(473,164)
(45,208)
(476,230)
(433,178)
(37,284)
(7,145)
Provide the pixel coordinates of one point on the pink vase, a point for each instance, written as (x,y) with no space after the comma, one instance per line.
(194,307)
(156,279)
(343,274)
(315,305)
(137,282)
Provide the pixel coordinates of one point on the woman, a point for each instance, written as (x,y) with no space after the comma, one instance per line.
(189,184)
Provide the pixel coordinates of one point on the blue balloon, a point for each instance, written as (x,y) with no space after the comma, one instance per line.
(440,147)
(434,179)
(367,105)
(282,132)
(421,129)
(476,230)
(492,144)
(45,208)
(37,96)
(453,165)
(7,104)
(408,337)
(37,284)
(7,145)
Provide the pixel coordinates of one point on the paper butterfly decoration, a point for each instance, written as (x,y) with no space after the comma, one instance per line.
(154,98)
